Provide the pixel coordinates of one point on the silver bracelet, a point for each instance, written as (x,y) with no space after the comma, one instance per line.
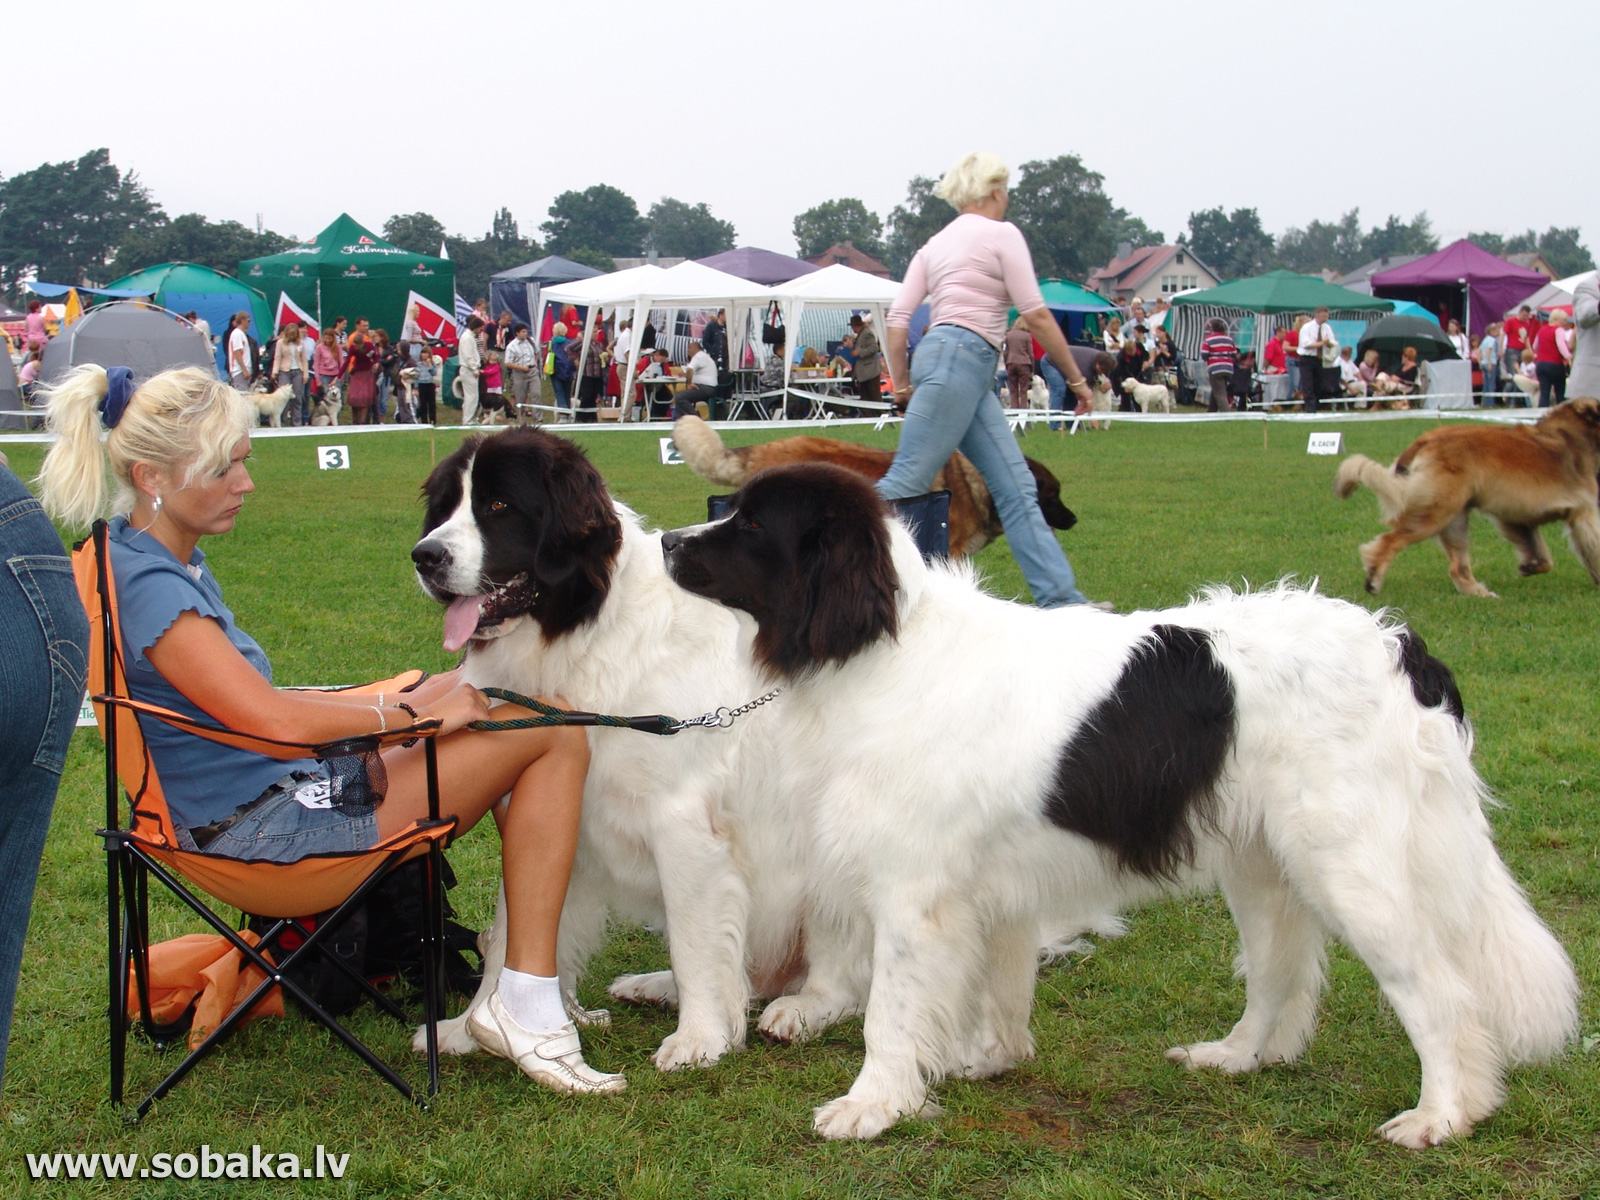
(380,699)
(383,721)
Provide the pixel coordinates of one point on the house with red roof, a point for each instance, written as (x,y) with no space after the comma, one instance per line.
(857,260)
(1151,271)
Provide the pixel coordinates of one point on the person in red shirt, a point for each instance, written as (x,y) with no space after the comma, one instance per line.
(1273,359)
(1516,340)
(1550,360)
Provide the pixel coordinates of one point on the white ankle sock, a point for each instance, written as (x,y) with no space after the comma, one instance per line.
(534,1001)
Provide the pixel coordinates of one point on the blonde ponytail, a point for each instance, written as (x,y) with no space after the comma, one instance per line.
(184,422)
(72,482)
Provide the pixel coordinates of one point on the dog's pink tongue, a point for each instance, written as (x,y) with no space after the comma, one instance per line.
(461,621)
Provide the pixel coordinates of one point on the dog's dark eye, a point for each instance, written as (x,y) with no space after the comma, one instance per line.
(750,523)
(497,506)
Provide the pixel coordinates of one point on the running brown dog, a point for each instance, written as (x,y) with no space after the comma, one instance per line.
(1521,477)
(973,520)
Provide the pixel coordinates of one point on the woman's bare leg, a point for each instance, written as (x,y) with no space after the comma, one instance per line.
(543,771)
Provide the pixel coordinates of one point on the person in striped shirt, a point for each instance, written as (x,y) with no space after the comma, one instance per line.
(1219,352)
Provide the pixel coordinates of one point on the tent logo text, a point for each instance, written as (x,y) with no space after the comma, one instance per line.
(354,273)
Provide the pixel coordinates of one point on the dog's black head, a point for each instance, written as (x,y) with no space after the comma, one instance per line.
(517,524)
(1056,514)
(806,552)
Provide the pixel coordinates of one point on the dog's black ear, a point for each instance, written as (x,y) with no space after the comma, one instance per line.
(441,491)
(578,538)
(844,598)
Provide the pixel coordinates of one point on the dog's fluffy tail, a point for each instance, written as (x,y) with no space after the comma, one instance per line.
(707,457)
(1525,980)
(1357,470)
(1523,987)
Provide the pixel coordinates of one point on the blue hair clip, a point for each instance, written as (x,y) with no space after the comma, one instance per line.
(119,387)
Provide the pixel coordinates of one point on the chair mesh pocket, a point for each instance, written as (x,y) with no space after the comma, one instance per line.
(357,778)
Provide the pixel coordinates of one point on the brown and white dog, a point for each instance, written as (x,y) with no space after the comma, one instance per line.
(1521,477)
(973,520)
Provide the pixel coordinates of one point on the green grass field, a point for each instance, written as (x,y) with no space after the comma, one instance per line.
(318,571)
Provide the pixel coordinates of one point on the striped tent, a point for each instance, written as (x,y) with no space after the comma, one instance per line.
(1254,307)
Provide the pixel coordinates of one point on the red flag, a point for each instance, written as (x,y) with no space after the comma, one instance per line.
(289,311)
(437,324)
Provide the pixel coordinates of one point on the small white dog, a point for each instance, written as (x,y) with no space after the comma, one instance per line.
(271,404)
(1150,397)
(1101,401)
(1039,395)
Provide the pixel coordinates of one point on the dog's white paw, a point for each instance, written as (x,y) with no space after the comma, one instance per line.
(1420,1128)
(989,1055)
(656,988)
(687,1048)
(847,1118)
(1217,1055)
(797,1018)
(453,1037)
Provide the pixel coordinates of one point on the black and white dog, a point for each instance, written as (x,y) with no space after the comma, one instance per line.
(980,769)
(554,589)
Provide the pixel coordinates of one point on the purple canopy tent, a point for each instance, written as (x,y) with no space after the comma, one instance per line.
(1471,284)
(758,266)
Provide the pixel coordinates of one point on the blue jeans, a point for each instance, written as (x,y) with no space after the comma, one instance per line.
(954,407)
(1057,383)
(563,390)
(44,649)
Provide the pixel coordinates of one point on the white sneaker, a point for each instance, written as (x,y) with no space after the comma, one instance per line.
(554,1059)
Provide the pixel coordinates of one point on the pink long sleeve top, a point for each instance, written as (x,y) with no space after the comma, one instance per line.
(325,360)
(973,271)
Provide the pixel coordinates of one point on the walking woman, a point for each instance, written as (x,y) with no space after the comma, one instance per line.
(177,447)
(973,272)
(361,387)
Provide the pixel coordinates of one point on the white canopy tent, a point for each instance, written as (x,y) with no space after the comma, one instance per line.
(836,286)
(620,289)
(687,285)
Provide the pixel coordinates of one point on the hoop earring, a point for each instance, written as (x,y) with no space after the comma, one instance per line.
(155,512)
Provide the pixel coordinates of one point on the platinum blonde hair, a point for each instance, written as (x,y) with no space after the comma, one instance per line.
(971,180)
(184,422)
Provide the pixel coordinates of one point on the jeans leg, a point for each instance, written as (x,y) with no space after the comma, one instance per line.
(1057,383)
(950,374)
(44,642)
(993,449)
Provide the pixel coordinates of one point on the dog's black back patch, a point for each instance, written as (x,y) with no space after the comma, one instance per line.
(1431,681)
(1143,768)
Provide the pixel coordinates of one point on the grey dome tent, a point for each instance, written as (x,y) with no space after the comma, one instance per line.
(140,336)
(11,412)
(516,291)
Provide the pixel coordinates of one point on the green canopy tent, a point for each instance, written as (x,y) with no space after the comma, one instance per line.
(1248,305)
(210,295)
(349,271)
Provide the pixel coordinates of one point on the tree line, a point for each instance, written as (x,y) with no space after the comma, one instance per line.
(87,222)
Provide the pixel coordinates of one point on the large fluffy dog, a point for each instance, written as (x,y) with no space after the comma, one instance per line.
(973,520)
(980,767)
(1520,476)
(553,589)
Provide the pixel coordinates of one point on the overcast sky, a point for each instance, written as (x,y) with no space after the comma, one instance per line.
(1471,110)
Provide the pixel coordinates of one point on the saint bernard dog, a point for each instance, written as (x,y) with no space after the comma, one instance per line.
(978,770)
(554,589)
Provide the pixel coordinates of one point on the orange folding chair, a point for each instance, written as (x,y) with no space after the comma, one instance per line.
(148,846)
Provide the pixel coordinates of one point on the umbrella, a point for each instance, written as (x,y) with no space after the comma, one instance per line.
(1392,334)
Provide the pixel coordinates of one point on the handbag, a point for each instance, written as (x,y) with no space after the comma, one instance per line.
(549,362)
